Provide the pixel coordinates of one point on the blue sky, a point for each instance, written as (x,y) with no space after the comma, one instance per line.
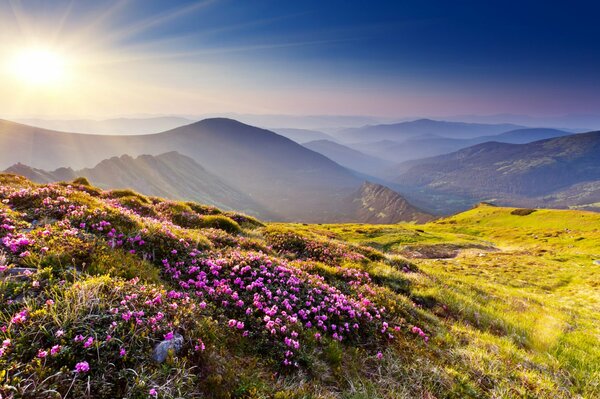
(395,59)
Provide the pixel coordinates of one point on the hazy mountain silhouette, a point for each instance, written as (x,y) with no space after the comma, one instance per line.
(303,135)
(510,171)
(417,148)
(170,175)
(279,175)
(421,127)
(349,157)
(111,126)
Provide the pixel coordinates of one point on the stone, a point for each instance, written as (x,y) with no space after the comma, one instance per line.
(162,350)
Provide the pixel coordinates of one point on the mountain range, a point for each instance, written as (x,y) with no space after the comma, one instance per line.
(232,165)
(541,173)
(218,161)
(422,128)
(419,147)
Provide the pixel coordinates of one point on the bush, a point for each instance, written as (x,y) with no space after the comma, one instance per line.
(81,181)
(127,193)
(522,212)
(220,222)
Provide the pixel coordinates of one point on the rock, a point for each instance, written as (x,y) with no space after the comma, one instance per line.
(161,351)
(597,262)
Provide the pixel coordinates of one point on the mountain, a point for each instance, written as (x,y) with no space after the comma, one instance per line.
(417,147)
(348,157)
(111,126)
(510,172)
(170,175)
(374,203)
(279,175)
(421,127)
(303,135)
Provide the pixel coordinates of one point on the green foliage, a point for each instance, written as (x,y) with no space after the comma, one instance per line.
(522,212)
(82,181)
(219,222)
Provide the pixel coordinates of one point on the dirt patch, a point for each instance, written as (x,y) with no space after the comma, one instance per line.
(441,251)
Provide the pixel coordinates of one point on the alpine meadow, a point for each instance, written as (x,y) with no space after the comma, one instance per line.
(299,200)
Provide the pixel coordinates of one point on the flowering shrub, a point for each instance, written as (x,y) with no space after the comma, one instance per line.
(203,278)
(303,247)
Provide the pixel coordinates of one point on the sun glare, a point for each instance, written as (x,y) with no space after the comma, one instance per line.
(38,67)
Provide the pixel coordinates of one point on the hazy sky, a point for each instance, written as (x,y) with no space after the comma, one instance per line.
(398,58)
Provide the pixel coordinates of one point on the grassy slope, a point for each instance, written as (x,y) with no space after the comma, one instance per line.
(515,314)
(535,300)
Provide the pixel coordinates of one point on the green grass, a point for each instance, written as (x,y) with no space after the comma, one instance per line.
(490,303)
(524,317)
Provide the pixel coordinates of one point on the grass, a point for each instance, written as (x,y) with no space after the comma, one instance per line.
(490,303)
(525,315)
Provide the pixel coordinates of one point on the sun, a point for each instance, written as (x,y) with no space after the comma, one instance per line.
(39,67)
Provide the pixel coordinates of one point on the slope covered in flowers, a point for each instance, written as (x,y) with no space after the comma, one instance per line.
(92,281)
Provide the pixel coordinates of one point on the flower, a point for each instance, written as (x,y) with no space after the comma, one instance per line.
(169,336)
(82,367)
(55,350)
(122,352)
(153,392)
(379,355)
(42,354)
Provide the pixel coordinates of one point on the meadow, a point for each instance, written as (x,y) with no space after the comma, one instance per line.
(490,303)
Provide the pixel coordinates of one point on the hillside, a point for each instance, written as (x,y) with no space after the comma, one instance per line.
(177,177)
(302,135)
(508,171)
(114,294)
(276,172)
(348,157)
(417,147)
(110,126)
(420,129)
(374,203)
(169,175)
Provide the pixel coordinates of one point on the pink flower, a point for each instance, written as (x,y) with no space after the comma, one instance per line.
(169,336)
(89,342)
(42,354)
(49,302)
(82,367)
(199,346)
(153,392)
(379,355)
(59,333)
(55,350)
(122,352)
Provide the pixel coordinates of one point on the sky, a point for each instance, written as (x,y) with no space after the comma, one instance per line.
(337,57)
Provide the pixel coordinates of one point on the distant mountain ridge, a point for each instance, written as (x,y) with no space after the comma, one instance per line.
(170,175)
(148,125)
(511,172)
(421,127)
(274,176)
(348,157)
(418,147)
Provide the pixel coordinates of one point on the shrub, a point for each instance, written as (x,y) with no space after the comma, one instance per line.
(220,222)
(522,211)
(81,181)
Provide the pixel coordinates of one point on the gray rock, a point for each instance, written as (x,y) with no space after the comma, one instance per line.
(597,262)
(161,351)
